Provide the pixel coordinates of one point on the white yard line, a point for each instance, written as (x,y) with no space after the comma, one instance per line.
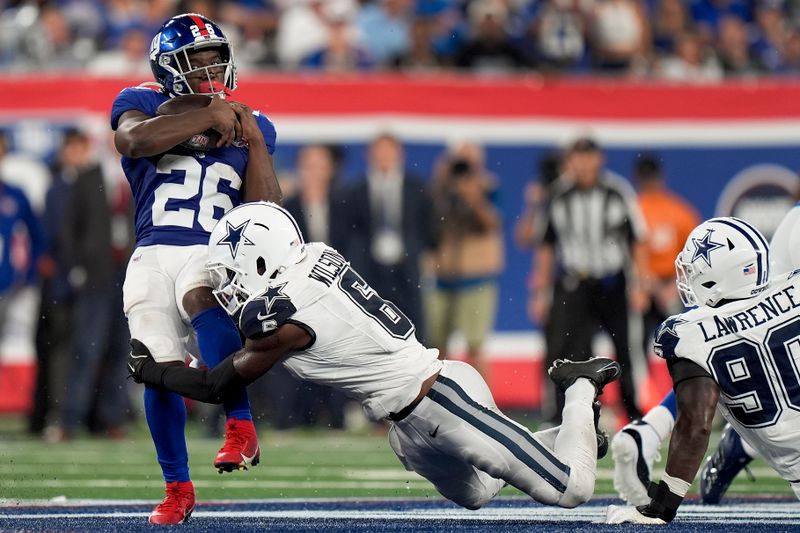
(750,513)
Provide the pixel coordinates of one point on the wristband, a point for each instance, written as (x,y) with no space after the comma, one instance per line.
(664,503)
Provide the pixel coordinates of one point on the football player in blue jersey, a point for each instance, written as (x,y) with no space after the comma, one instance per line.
(180,192)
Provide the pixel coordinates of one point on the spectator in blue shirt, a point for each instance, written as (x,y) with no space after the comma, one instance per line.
(19,231)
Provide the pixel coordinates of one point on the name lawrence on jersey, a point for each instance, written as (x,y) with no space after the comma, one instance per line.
(773,306)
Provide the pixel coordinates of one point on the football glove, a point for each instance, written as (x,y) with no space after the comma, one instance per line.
(622,514)
(138,360)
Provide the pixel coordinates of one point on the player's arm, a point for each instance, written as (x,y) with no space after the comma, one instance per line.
(697,402)
(697,395)
(260,182)
(229,377)
(140,135)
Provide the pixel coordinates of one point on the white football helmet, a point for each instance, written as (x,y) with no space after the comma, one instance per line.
(724,258)
(248,247)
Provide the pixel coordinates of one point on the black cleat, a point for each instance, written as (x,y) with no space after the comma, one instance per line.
(600,371)
(721,468)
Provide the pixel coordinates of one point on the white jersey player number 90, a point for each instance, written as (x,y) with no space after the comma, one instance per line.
(752,395)
(195,182)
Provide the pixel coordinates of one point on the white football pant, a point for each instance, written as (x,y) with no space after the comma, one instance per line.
(459,440)
(156,280)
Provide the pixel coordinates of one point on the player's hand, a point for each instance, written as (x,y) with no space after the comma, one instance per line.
(622,514)
(225,121)
(251,133)
(138,359)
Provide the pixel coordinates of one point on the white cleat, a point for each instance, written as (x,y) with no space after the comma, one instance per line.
(634,450)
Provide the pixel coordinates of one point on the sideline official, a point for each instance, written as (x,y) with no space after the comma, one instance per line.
(591,256)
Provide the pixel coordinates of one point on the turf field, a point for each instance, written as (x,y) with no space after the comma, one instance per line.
(299,475)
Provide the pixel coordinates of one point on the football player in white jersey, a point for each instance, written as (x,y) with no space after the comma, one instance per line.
(303,305)
(636,447)
(735,350)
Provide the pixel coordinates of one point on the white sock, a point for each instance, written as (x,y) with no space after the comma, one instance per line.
(576,443)
(660,419)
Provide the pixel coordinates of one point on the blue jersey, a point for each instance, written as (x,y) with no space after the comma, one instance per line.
(181,194)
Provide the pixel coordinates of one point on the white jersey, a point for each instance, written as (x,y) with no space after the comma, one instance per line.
(361,343)
(751,348)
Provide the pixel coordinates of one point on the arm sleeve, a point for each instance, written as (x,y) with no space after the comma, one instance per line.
(683,369)
(209,386)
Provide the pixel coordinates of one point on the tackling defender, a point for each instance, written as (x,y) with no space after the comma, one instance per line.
(735,351)
(304,306)
(179,194)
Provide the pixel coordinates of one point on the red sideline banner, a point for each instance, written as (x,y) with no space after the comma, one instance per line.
(445,96)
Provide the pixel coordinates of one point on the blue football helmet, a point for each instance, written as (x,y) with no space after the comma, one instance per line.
(183,35)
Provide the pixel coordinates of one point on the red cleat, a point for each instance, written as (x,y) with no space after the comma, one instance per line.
(177,506)
(240,450)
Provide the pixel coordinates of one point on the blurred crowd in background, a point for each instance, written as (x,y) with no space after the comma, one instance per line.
(680,40)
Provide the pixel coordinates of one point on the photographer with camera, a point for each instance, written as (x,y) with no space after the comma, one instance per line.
(469,255)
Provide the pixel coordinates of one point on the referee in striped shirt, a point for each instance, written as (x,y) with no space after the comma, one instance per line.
(590,256)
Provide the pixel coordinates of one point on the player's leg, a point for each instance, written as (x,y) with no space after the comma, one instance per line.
(732,455)
(577,441)
(458,418)
(217,338)
(152,312)
(455,479)
(636,447)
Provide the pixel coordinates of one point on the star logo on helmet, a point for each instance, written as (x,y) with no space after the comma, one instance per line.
(235,237)
(703,248)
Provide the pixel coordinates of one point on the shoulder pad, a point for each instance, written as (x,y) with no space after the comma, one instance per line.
(666,337)
(266,313)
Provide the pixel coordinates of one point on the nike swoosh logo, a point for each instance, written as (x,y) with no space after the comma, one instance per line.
(264,317)
(434,432)
(247,460)
(608,366)
(138,356)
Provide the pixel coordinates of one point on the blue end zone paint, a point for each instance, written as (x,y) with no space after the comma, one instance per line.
(504,514)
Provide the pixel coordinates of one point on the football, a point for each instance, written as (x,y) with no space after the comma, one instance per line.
(202,142)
